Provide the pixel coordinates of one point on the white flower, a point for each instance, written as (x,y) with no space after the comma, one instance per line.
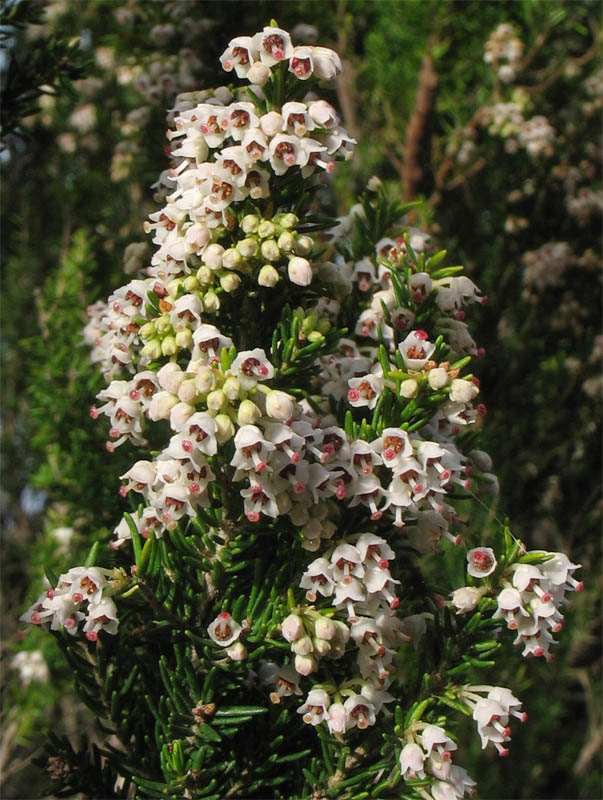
(416,350)
(315,707)
(273,45)
(481,562)
(224,630)
(411,761)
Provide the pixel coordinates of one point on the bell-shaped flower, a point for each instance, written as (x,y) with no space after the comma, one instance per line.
(224,630)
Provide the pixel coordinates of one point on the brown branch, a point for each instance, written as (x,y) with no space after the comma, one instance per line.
(558,71)
(411,169)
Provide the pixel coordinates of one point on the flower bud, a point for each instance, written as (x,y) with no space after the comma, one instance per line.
(168,346)
(311,545)
(248,413)
(292,627)
(231,388)
(258,74)
(188,392)
(215,400)
(249,223)
(305,665)
(170,376)
(237,652)
(231,258)
(163,324)
(409,388)
(268,276)
(437,378)
(226,428)
(286,242)
(325,628)
(302,646)
(322,647)
(280,405)
(300,271)
(205,275)
(303,245)
(287,220)
(230,281)
(481,460)
(269,250)
(462,391)
(271,123)
(190,283)
(184,339)
(266,229)
(466,598)
(211,302)
(179,414)
(152,349)
(173,287)
(161,404)
(205,380)
(148,330)
(212,256)
(248,247)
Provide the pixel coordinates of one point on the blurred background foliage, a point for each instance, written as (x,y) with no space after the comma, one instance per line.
(505,155)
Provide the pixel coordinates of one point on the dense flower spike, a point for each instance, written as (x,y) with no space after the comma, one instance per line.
(305,410)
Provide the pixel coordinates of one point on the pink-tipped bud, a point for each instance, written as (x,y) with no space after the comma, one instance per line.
(92,636)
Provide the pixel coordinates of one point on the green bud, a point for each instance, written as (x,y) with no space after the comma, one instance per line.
(266,229)
(310,321)
(148,330)
(168,346)
(286,242)
(205,275)
(248,248)
(303,245)
(188,391)
(232,388)
(323,325)
(205,380)
(270,251)
(231,259)
(249,223)
(315,336)
(230,281)
(248,413)
(152,349)
(173,287)
(190,283)
(163,324)
(288,220)
(226,428)
(211,302)
(216,399)
(184,339)
(268,276)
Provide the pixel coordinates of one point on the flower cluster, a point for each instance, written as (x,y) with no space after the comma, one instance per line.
(254,58)
(81,595)
(491,713)
(504,46)
(530,602)
(427,753)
